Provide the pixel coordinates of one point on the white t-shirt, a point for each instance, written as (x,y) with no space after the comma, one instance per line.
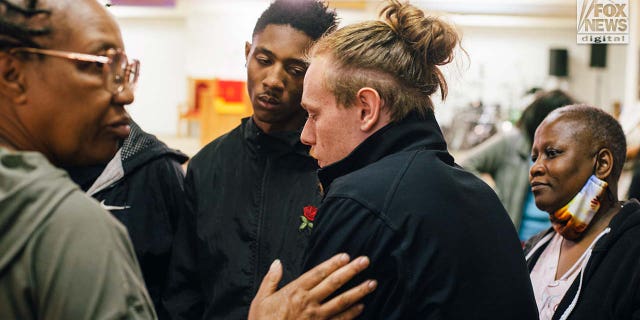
(549,291)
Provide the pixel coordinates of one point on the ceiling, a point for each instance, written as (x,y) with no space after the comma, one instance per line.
(489,13)
(531,8)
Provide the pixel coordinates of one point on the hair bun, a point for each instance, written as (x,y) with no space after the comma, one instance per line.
(431,37)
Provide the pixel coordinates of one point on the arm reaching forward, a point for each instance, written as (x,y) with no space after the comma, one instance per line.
(304,297)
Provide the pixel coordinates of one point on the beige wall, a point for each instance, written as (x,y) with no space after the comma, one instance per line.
(507,55)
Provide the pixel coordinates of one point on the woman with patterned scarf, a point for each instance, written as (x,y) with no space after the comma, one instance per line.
(587,266)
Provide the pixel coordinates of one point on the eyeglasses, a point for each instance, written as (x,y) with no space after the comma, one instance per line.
(118,72)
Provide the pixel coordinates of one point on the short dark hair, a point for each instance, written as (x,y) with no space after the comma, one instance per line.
(309,16)
(15,29)
(601,130)
(544,103)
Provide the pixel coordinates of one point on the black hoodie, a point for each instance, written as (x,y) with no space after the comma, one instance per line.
(440,242)
(608,287)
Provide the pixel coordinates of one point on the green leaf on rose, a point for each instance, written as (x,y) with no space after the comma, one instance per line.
(306,223)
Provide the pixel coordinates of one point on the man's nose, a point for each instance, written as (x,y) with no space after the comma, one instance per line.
(275,78)
(307,136)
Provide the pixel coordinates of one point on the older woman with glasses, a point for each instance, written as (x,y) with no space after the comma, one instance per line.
(64,82)
(143,184)
(587,266)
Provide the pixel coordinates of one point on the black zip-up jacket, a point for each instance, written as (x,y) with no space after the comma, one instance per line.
(246,193)
(142,187)
(440,242)
(610,287)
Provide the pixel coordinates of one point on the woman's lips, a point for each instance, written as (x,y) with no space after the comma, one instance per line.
(537,186)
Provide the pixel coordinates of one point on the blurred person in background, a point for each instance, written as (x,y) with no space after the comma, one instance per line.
(587,265)
(505,157)
(632,156)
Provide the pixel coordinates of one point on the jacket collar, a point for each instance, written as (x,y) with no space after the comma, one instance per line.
(273,143)
(141,147)
(412,133)
(624,220)
(136,151)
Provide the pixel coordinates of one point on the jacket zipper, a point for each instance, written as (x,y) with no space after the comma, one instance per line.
(261,213)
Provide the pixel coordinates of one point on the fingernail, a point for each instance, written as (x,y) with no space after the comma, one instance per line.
(344,257)
(363,261)
(275,264)
(372,284)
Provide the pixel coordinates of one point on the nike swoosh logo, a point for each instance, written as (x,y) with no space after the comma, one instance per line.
(112,208)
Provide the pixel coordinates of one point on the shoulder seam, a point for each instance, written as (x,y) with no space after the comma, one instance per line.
(396,182)
(377,213)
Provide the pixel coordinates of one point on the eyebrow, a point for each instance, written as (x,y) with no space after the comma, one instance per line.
(301,61)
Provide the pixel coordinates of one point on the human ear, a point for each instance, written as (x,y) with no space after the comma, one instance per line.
(604,164)
(369,104)
(247,49)
(12,78)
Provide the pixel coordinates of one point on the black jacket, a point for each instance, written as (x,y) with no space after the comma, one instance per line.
(142,187)
(610,286)
(440,242)
(246,192)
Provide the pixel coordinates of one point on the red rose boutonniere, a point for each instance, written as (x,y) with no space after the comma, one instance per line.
(307,217)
